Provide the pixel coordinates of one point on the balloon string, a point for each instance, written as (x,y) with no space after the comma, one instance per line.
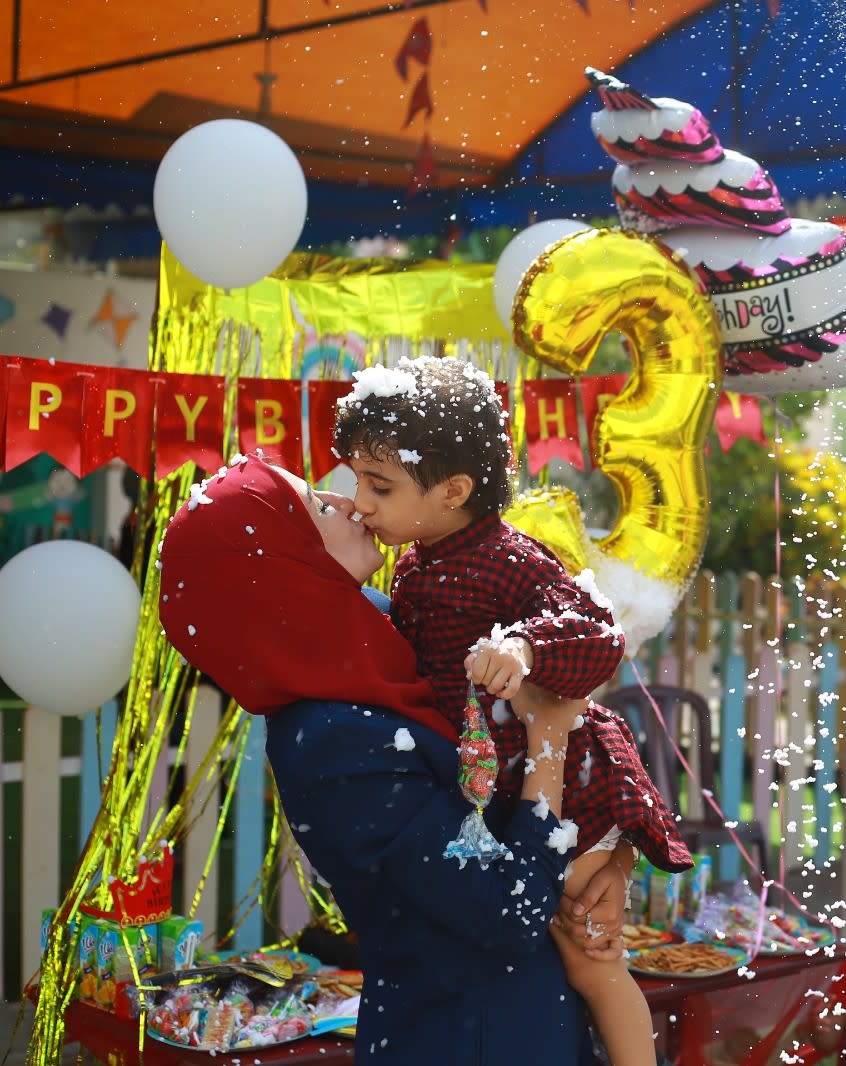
(777,442)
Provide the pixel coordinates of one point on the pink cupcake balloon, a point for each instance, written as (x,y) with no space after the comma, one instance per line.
(634,128)
(734,192)
(672,170)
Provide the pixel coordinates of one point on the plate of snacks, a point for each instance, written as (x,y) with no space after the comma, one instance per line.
(299,963)
(334,1000)
(686,960)
(214,1020)
(740,921)
(641,937)
(228,1006)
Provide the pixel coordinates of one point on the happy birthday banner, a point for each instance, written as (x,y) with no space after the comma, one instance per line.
(85,416)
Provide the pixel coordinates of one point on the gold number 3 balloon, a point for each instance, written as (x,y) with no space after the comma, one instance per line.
(650,439)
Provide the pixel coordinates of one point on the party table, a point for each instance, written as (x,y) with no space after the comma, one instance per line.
(687,1005)
(115,1041)
(681,1003)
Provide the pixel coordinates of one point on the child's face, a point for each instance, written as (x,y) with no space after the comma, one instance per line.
(395,507)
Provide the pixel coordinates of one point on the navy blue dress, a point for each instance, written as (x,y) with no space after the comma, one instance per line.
(458,963)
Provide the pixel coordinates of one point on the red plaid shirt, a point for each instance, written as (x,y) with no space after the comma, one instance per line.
(447,595)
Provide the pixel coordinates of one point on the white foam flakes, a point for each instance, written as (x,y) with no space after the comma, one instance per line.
(541,808)
(403,740)
(380,380)
(642,605)
(563,836)
(197,495)
(586,581)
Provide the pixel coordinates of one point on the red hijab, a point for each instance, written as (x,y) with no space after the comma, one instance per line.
(250,596)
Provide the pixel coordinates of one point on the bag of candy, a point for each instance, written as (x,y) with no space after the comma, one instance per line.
(477,772)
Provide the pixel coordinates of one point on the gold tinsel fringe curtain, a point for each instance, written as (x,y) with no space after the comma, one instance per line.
(262,331)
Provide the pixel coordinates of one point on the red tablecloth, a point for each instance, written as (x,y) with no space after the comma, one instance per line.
(687,1011)
(681,1003)
(116,1042)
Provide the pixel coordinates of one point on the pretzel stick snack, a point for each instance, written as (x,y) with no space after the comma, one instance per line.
(685,958)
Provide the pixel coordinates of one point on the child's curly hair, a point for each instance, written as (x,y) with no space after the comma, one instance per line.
(436,417)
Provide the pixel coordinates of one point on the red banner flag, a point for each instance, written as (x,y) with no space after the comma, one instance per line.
(738,416)
(417,45)
(4,398)
(270,420)
(596,392)
(552,423)
(322,400)
(502,392)
(421,100)
(44,411)
(117,420)
(189,421)
(424,174)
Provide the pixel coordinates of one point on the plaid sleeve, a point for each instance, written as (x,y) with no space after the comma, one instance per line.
(575,646)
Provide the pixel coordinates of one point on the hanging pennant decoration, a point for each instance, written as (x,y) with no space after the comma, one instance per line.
(120,404)
(421,100)
(552,423)
(7,309)
(595,392)
(113,319)
(57,318)
(189,421)
(86,416)
(738,416)
(425,175)
(270,420)
(322,399)
(43,405)
(417,46)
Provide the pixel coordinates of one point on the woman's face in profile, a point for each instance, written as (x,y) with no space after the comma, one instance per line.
(348,542)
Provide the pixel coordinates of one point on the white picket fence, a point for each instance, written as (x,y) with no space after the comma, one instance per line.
(774,688)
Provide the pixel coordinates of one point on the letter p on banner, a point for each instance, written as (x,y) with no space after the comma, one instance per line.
(118,420)
(44,411)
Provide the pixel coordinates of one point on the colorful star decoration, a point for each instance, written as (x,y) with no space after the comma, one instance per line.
(113,318)
(57,318)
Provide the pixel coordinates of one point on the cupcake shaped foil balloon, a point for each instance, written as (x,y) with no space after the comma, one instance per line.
(633,128)
(778,283)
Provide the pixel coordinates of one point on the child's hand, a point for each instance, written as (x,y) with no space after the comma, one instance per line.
(500,668)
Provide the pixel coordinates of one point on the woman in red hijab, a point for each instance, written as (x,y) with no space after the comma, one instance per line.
(261,590)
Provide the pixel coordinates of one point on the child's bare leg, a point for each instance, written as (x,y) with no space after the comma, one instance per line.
(618,1007)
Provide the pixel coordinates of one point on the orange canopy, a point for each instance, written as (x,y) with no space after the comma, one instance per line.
(124,78)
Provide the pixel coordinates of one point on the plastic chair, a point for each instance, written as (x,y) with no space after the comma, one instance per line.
(665,769)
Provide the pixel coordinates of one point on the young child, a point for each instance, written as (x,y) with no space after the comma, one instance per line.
(429,445)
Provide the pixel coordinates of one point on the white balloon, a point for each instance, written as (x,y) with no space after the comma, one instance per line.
(68,619)
(230,201)
(519,254)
